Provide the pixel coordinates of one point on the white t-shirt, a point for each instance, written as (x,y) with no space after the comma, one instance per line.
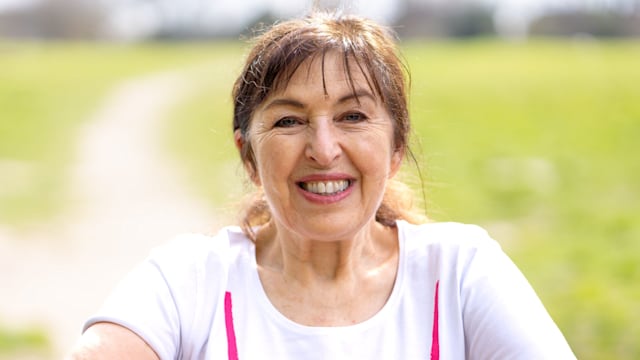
(456,296)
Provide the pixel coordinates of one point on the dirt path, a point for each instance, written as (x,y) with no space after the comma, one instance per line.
(127,198)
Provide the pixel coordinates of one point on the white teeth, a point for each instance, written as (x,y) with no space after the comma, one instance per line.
(329,187)
(326,187)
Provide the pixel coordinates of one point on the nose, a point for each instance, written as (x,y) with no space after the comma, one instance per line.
(323,146)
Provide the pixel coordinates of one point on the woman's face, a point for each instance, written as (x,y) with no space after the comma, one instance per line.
(323,159)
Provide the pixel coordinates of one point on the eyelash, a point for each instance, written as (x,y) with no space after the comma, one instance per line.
(289,121)
(361,116)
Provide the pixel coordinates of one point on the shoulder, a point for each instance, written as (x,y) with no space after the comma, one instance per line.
(195,261)
(188,250)
(445,235)
(448,250)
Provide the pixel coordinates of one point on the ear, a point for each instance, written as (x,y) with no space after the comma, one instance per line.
(396,162)
(239,141)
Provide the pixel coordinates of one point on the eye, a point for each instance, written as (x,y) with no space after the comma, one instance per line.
(354,117)
(287,122)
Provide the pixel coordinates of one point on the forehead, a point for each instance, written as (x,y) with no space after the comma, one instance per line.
(326,71)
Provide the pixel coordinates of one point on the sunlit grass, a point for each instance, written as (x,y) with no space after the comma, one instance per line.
(201,134)
(47,90)
(23,343)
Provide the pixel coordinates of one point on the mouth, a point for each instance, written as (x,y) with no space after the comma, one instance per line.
(325,188)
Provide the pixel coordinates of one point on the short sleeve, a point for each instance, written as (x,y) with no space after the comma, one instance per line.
(503,317)
(160,299)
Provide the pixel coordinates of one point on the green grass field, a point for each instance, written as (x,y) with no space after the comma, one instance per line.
(24,344)
(46,92)
(535,141)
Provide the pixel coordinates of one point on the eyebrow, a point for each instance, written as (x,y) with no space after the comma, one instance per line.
(285,102)
(361,93)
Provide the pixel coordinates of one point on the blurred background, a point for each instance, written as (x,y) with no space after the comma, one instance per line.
(115,135)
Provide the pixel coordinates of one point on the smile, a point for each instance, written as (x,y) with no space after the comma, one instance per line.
(325,187)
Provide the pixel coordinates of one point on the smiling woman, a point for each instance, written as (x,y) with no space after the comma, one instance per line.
(307,140)
(328,258)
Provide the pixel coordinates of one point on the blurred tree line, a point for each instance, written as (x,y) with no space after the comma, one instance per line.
(54,19)
(90,19)
(599,24)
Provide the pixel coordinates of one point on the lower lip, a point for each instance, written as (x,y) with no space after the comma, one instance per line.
(326,199)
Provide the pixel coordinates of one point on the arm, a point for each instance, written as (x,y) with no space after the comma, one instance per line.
(110,341)
(504,318)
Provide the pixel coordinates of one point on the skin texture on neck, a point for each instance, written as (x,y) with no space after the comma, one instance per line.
(307,260)
(328,283)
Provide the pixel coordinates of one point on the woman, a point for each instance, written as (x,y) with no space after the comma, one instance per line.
(328,264)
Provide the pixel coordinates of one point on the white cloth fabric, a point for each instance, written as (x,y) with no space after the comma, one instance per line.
(486,309)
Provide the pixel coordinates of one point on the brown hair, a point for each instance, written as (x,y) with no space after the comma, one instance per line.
(278,53)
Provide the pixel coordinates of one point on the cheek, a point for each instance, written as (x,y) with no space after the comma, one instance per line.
(272,159)
(375,156)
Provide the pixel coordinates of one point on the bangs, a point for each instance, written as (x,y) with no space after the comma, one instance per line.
(299,49)
(350,63)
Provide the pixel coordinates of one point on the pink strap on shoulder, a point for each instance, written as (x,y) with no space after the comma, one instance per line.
(435,338)
(231,333)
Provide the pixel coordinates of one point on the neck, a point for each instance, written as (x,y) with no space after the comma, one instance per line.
(309,261)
